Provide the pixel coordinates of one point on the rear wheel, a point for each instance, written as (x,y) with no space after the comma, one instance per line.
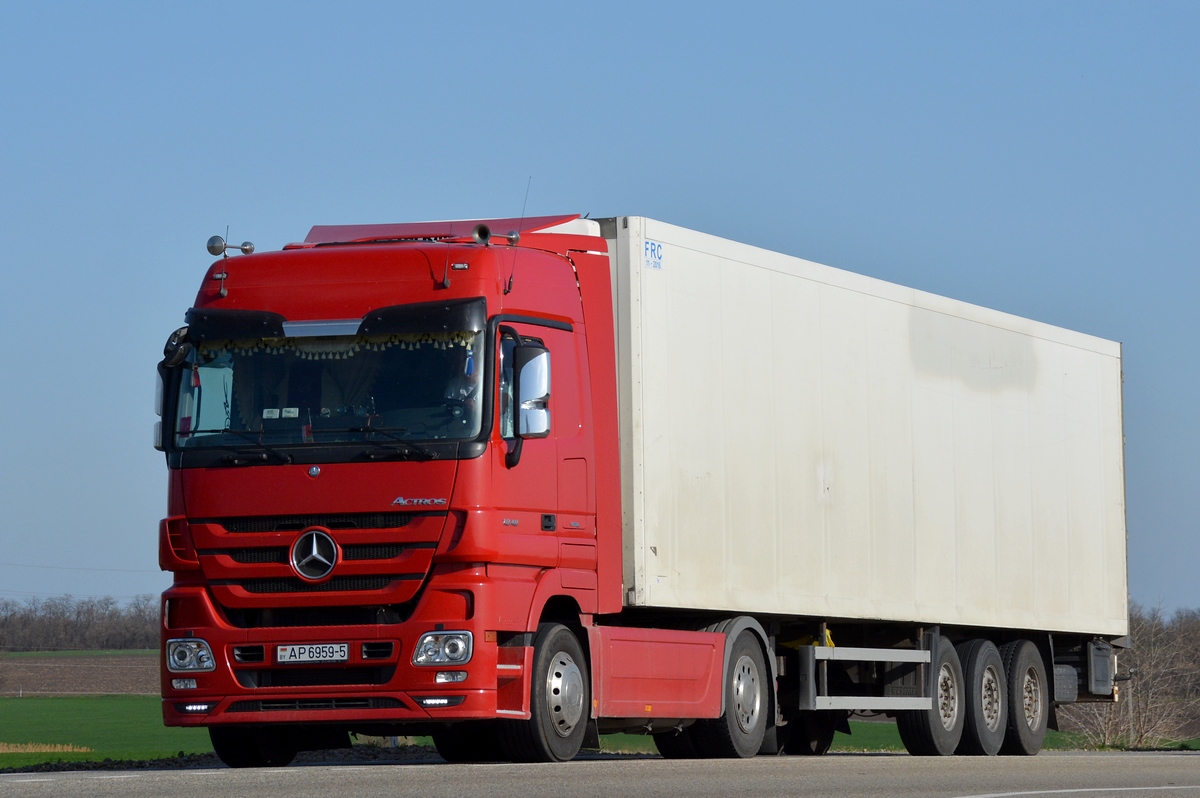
(1028,704)
(558,702)
(241,747)
(937,731)
(986,706)
(471,741)
(810,733)
(739,732)
(676,744)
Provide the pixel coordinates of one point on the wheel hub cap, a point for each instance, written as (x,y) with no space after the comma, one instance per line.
(747,697)
(564,693)
(990,695)
(947,697)
(1031,699)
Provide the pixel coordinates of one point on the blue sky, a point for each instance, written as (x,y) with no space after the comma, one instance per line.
(1037,158)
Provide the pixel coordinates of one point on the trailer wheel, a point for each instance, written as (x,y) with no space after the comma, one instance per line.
(810,733)
(986,707)
(1028,703)
(558,703)
(470,741)
(936,731)
(240,747)
(676,744)
(739,732)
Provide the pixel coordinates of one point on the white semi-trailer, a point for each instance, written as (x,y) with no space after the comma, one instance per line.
(801,443)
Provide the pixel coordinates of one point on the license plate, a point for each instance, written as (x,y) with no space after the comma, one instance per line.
(314,652)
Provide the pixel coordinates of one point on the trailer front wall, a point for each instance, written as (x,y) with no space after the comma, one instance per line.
(803,440)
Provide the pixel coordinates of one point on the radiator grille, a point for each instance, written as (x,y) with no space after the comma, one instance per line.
(296,705)
(290,617)
(295,523)
(338,583)
(351,551)
(377,551)
(313,677)
(248,556)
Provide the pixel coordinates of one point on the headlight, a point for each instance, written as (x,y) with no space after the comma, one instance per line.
(441,648)
(190,654)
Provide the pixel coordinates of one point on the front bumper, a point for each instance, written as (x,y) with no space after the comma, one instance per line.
(249,685)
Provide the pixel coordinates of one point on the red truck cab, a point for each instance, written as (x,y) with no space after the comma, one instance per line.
(392,457)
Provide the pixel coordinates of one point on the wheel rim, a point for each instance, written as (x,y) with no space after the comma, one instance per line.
(564,693)
(990,698)
(947,696)
(747,698)
(1031,698)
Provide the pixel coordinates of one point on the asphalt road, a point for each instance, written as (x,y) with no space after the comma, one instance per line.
(842,775)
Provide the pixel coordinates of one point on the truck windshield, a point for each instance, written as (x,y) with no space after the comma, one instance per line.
(329,390)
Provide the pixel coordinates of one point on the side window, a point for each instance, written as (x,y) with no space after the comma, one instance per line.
(507,344)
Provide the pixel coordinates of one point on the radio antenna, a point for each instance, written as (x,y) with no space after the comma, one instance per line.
(513,271)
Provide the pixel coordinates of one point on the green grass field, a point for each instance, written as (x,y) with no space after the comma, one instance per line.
(126,652)
(130,728)
(112,726)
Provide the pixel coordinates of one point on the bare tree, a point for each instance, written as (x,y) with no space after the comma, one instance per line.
(1161,702)
(65,623)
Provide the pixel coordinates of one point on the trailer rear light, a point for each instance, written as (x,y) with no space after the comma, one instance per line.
(189,654)
(183,684)
(195,709)
(439,701)
(450,677)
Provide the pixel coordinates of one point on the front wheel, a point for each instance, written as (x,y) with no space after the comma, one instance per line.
(241,747)
(558,702)
(469,741)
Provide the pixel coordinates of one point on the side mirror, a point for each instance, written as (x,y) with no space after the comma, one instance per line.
(531,387)
(177,348)
(531,366)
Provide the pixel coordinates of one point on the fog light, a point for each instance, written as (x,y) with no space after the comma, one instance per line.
(446,677)
(183,684)
(189,654)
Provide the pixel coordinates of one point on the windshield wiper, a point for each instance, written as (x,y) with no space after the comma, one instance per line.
(241,458)
(387,450)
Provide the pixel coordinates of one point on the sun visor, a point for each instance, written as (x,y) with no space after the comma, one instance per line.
(454,315)
(213,324)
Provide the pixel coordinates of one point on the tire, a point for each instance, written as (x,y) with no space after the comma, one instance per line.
(937,731)
(676,744)
(560,697)
(1028,702)
(470,741)
(738,733)
(985,719)
(811,733)
(240,747)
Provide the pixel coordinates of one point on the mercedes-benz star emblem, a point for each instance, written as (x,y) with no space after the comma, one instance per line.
(314,555)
